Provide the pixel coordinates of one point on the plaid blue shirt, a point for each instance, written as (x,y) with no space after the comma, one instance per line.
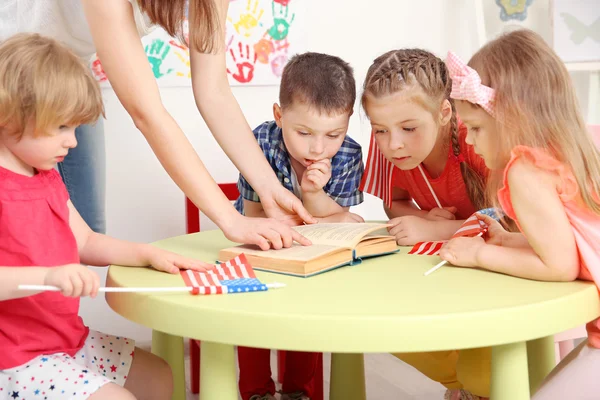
(346,168)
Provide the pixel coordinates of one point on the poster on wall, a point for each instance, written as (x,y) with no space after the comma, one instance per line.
(576,30)
(261,35)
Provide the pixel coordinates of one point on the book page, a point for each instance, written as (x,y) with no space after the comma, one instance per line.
(341,234)
(296,252)
(379,233)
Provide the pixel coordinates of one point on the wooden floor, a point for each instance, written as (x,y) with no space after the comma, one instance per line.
(387,379)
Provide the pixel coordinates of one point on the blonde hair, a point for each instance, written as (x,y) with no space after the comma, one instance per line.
(45,82)
(536,106)
(403,69)
(204,21)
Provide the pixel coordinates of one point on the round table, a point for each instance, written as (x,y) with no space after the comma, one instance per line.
(384,304)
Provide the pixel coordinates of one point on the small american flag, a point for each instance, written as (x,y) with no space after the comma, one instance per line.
(472,227)
(378,176)
(233,276)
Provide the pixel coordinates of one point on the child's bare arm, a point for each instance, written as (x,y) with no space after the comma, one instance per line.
(320,205)
(73,279)
(344,216)
(100,250)
(253,209)
(412,225)
(516,239)
(402,205)
(314,197)
(549,257)
(12,277)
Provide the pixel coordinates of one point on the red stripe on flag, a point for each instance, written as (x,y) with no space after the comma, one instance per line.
(471,227)
(378,176)
(209,282)
(186,278)
(249,272)
(435,249)
(427,248)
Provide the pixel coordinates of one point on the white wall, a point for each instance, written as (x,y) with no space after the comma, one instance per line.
(143,204)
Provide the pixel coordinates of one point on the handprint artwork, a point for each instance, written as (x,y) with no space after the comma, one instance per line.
(244,62)
(260,37)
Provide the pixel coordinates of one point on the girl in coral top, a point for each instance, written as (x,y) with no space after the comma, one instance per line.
(518,102)
(429,179)
(46,351)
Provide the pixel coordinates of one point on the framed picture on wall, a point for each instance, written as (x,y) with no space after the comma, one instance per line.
(576,30)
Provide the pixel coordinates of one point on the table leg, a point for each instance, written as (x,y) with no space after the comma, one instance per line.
(509,372)
(541,360)
(170,349)
(217,372)
(347,377)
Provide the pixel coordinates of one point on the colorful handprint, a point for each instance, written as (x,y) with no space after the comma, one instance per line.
(263,49)
(281,22)
(249,20)
(243,63)
(98,71)
(157,52)
(186,71)
(279,57)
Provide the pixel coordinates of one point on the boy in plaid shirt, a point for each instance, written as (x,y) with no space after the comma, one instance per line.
(307,145)
(309,151)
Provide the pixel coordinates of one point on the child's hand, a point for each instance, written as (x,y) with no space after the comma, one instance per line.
(410,230)
(345,216)
(316,176)
(437,214)
(74,280)
(462,251)
(162,260)
(496,233)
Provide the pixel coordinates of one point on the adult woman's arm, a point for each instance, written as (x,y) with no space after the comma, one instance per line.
(123,58)
(225,119)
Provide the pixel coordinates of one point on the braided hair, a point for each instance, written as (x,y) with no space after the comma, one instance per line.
(402,69)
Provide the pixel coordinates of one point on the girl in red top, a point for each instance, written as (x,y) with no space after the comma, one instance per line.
(46,351)
(430,181)
(419,164)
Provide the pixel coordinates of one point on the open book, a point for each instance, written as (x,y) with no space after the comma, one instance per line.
(334,245)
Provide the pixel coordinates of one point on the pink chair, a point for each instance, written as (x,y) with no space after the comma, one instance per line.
(192,226)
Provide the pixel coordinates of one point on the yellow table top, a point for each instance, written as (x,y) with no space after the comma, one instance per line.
(384,304)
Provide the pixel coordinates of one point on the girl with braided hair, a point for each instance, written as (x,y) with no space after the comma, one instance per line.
(429,179)
(419,164)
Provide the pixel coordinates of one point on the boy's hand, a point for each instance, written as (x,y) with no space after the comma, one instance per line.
(316,176)
(74,280)
(410,230)
(266,233)
(462,251)
(437,214)
(162,260)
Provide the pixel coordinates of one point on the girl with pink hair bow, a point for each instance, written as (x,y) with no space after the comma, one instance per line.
(520,107)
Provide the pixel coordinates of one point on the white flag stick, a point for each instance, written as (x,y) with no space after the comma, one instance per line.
(437,201)
(274,285)
(438,266)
